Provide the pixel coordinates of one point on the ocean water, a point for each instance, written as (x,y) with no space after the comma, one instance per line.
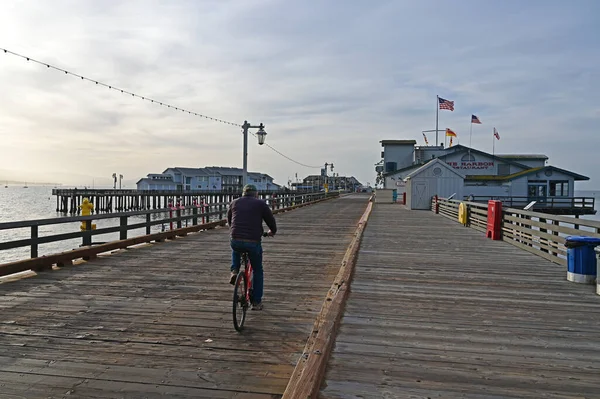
(590,193)
(37,202)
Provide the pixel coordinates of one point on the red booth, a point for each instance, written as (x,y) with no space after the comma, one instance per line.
(494,220)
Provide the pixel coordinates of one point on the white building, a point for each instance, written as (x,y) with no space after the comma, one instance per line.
(157,181)
(433,178)
(213,178)
(514,179)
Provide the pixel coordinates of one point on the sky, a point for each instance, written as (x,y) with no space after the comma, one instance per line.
(329,80)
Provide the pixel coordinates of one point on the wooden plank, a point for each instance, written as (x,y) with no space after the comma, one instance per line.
(551,226)
(562,219)
(534,240)
(308,373)
(40,386)
(529,231)
(156,319)
(551,258)
(45,262)
(438,310)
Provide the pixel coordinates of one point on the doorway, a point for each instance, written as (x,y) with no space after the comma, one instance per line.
(537,192)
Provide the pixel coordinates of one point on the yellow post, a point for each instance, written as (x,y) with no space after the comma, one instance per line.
(86,210)
(462,213)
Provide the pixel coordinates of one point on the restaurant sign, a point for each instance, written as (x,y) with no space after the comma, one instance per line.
(469,162)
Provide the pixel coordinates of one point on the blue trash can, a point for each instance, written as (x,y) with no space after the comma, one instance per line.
(395,195)
(597,267)
(581,259)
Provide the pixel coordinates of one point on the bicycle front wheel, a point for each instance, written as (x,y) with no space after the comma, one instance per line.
(240,303)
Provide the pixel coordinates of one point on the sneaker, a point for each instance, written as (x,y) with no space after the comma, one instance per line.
(257,306)
(232,278)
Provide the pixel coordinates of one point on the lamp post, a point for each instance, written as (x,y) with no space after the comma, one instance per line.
(261,140)
(326,179)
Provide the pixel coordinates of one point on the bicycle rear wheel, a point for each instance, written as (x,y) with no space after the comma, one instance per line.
(240,303)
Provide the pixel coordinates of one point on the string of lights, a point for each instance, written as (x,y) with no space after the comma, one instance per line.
(285,156)
(145,98)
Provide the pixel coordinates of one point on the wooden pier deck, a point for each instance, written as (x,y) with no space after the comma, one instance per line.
(436,310)
(155,321)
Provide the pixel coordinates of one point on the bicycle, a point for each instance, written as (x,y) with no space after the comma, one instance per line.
(242,291)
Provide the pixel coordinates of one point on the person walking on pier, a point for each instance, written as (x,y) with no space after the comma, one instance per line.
(245,216)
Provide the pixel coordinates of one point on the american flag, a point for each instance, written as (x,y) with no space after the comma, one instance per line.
(475,119)
(445,104)
(496,134)
(425,137)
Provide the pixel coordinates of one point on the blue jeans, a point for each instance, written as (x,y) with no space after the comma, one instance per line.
(255,252)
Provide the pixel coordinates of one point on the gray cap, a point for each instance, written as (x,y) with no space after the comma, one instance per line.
(248,188)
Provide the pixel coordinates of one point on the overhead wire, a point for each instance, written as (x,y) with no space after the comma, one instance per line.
(145,98)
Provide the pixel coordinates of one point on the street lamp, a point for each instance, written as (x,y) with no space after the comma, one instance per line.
(326,178)
(261,134)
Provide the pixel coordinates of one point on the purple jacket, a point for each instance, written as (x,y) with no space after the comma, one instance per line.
(245,216)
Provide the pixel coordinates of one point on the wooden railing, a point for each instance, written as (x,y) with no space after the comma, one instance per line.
(171,193)
(540,233)
(477,212)
(109,200)
(177,221)
(587,203)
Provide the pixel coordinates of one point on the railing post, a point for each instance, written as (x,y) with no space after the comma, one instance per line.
(178,213)
(195,213)
(555,232)
(123,228)
(34,241)
(87,233)
(543,230)
(148,224)
(221,199)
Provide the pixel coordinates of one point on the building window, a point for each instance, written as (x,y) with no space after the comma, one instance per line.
(559,188)
(391,166)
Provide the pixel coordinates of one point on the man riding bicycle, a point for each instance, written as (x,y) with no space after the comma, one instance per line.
(245,216)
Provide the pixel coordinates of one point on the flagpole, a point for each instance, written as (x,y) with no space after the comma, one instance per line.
(493,143)
(470,133)
(437,111)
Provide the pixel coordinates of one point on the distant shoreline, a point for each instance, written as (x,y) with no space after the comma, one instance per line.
(20,183)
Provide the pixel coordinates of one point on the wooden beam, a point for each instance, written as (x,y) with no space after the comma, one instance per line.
(310,369)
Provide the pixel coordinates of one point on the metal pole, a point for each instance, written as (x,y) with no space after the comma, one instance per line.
(437,109)
(245,126)
(470,135)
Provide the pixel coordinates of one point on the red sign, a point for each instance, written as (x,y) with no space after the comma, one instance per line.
(472,165)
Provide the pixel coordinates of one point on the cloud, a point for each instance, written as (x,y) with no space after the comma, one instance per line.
(328,79)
